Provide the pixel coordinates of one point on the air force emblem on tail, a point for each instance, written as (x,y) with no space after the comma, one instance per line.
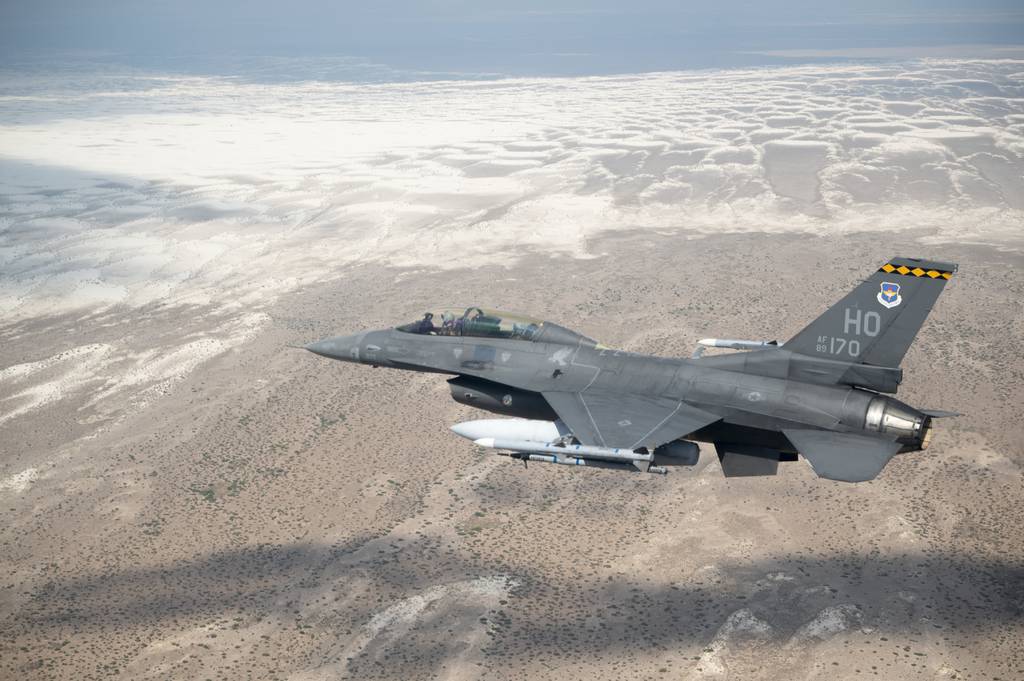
(890,296)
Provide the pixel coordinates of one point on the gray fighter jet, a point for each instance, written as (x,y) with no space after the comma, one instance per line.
(821,395)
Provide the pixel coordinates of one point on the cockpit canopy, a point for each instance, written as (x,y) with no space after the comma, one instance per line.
(475,321)
(487,323)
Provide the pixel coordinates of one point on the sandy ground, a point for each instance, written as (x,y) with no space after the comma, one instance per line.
(247,510)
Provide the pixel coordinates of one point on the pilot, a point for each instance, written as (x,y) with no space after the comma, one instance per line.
(447,324)
(524,331)
(426,324)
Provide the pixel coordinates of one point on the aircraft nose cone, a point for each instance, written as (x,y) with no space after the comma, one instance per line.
(340,347)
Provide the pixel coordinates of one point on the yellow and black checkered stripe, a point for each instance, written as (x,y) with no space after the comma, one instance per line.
(890,268)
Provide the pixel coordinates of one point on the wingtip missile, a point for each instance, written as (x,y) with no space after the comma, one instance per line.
(733,344)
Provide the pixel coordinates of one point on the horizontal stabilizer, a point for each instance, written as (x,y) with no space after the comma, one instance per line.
(746,460)
(843,456)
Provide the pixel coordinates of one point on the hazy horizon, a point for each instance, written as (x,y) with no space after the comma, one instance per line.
(565,37)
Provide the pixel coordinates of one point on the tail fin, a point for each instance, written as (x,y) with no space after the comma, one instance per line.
(877,321)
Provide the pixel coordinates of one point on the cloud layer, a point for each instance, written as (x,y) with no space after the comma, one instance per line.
(133,188)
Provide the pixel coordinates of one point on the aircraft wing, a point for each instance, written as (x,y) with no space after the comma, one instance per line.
(843,456)
(629,421)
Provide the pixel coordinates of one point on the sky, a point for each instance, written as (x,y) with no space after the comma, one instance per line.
(510,37)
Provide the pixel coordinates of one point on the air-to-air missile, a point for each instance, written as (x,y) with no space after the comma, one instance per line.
(704,343)
(825,394)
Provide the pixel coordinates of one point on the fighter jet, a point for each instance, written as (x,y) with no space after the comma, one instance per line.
(823,395)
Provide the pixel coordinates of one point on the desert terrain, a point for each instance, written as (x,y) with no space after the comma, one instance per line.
(187,496)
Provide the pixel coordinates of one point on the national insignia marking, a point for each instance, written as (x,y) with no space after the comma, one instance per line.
(890,296)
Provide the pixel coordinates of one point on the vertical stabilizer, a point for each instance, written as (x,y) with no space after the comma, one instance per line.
(877,321)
